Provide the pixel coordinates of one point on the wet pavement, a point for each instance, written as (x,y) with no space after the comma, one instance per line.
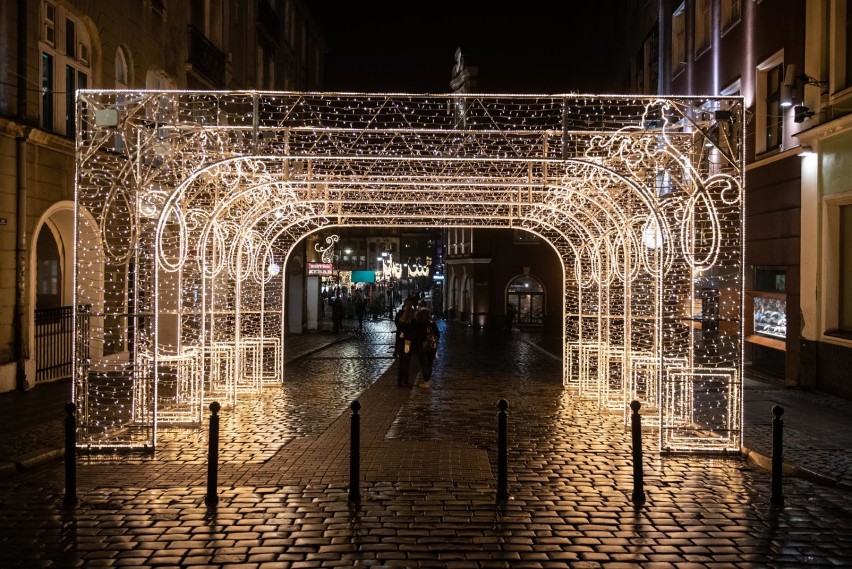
(428,476)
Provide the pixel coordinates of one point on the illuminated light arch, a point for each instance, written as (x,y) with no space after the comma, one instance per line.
(196,194)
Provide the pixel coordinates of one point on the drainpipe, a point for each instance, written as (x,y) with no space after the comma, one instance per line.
(20,344)
(21,382)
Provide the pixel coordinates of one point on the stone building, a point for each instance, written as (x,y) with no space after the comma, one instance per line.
(51,48)
(791,61)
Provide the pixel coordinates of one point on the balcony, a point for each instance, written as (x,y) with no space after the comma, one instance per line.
(205,58)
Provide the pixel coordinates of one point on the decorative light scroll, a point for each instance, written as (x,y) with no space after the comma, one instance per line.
(190,206)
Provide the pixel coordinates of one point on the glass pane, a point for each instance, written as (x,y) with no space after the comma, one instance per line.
(525,285)
(845,316)
(70,87)
(47,91)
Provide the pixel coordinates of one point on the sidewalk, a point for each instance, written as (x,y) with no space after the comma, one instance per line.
(33,420)
(817,443)
(817,429)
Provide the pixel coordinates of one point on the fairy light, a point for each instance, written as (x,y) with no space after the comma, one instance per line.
(190,205)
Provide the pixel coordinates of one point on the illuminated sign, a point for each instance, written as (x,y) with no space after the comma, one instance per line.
(320,269)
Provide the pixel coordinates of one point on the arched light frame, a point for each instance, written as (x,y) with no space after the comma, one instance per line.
(197,194)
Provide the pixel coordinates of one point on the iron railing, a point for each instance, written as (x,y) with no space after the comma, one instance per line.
(53,336)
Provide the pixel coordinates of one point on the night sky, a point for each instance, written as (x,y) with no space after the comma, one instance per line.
(408,47)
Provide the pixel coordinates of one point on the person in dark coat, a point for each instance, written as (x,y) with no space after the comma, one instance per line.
(337,314)
(424,334)
(360,311)
(404,323)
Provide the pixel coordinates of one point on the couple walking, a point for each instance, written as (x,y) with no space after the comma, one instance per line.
(416,333)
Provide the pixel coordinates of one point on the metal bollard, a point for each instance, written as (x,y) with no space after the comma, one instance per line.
(212,497)
(70,499)
(777,496)
(355,454)
(502,452)
(636,432)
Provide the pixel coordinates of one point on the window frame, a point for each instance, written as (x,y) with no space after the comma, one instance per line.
(68,72)
(761,102)
(678,41)
(729,17)
(832,272)
(702,20)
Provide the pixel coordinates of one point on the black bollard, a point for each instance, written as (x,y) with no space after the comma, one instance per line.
(70,499)
(212,497)
(502,452)
(777,497)
(355,454)
(638,476)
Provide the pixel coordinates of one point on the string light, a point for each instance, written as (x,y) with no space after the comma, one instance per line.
(188,202)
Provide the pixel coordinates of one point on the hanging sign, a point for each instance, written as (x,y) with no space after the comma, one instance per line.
(319,269)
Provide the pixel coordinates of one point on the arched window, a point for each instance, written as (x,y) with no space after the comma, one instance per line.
(65,66)
(526,295)
(122,78)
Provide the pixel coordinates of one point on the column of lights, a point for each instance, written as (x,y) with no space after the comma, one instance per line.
(176,249)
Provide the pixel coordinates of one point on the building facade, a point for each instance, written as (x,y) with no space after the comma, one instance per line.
(790,62)
(51,48)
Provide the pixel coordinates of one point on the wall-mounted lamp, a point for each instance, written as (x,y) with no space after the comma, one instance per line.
(801,112)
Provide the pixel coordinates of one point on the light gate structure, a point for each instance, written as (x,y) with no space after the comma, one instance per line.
(188,205)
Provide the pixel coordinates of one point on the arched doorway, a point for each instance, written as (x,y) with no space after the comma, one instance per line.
(525,299)
(227,183)
(52,294)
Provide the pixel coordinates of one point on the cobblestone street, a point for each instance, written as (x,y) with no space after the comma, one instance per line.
(428,481)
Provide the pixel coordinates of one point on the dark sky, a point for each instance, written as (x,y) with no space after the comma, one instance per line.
(534,47)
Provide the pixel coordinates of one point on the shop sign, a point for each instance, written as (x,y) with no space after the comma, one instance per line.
(320,269)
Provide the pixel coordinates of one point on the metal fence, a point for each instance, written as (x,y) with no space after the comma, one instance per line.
(54,333)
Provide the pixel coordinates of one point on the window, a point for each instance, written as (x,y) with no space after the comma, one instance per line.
(64,65)
(525,299)
(769,115)
(678,40)
(702,25)
(845,285)
(730,13)
(848,44)
(121,73)
(774,117)
(837,264)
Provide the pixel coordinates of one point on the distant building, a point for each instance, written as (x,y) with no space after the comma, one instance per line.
(51,48)
(791,61)
(494,272)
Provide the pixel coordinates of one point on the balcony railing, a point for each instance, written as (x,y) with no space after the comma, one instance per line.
(206,58)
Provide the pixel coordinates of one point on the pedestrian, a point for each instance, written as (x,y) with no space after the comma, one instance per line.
(360,310)
(404,323)
(397,345)
(511,313)
(424,336)
(337,314)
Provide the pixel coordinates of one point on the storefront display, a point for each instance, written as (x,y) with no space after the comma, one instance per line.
(770,317)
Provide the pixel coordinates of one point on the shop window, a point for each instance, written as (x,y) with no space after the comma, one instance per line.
(768,302)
